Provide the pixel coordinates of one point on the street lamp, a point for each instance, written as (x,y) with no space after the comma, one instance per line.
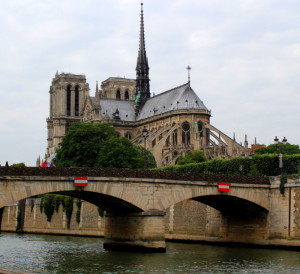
(241,166)
(284,142)
(145,132)
(247,162)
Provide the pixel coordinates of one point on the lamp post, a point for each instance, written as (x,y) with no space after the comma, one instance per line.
(145,132)
(241,166)
(284,142)
(247,163)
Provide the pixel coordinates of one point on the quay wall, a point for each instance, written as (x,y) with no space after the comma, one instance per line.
(185,218)
(91,224)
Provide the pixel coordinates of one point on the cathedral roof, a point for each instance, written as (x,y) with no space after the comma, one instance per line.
(182,97)
(125,108)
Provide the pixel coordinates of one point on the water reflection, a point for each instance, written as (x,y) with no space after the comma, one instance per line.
(66,254)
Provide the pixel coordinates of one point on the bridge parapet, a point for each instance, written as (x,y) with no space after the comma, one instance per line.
(131,173)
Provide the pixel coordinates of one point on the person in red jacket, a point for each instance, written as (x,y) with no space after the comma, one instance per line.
(44,164)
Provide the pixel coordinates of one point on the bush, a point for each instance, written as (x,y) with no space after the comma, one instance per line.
(260,165)
(196,156)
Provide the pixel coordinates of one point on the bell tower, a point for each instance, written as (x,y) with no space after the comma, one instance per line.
(67,96)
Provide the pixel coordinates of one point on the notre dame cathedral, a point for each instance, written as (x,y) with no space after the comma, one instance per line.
(177,120)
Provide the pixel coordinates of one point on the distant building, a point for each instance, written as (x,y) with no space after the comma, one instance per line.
(255,146)
(177,120)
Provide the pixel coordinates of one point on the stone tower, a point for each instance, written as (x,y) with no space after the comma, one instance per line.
(142,70)
(67,95)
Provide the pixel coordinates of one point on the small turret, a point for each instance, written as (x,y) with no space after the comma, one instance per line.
(246,142)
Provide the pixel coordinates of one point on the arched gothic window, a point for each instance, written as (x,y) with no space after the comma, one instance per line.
(186,136)
(68,100)
(168,141)
(200,128)
(76,100)
(128,136)
(175,137)
(126,95)
(118,95)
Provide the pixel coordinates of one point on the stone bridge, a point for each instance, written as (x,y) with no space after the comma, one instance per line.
(135,201)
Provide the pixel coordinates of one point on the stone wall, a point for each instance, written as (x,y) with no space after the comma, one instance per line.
(91,224)
(188,220)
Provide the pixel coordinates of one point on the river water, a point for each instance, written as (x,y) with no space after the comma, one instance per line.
(66,254)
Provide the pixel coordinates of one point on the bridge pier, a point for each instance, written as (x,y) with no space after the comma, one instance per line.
(143,231)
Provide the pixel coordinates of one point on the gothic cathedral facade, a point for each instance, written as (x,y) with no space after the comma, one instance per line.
(177,121)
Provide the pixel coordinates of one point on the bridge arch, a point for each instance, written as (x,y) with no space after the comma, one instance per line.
(109,203)
(104,195)
(232,206)
(240,201)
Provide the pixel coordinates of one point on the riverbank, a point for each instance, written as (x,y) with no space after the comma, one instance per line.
(9,271)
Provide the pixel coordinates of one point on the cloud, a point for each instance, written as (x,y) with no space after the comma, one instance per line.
(245,59)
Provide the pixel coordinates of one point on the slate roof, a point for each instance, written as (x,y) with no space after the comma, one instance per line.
(182,97)
(126,109)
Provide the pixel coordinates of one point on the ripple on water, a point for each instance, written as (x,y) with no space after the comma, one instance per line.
(66,254)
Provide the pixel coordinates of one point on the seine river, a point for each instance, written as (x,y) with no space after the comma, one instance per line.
(65,254)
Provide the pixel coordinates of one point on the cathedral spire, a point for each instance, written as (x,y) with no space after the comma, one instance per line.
(142,69)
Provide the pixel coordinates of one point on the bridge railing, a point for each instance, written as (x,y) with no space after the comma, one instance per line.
(130,173)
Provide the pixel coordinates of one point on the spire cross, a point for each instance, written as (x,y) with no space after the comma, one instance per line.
(189,76)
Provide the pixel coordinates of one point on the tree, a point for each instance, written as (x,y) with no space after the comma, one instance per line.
(119,152)
(150,159)
(82,143)
(196,156)
(18,165)
(287,149)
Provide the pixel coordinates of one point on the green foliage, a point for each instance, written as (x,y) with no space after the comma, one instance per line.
(78,205)
(119,152)
(18,165)
(287,149)
(50,203)
(49,206)
(260,165)
(81,144)
(19,217)
(57,201)
(196,156)
(41,204)
(67,203)
(150,159)
(283,181)
(31,204)
(101,212)
(97,145)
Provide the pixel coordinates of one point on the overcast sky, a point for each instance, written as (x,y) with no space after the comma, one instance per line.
(244,54)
